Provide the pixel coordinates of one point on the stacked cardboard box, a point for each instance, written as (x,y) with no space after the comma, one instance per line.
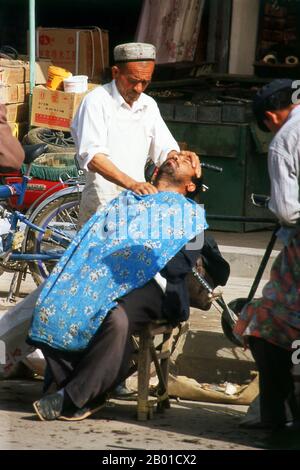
(14,91)
(55,109)
(83,51)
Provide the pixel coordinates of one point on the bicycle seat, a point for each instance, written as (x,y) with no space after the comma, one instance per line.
(32,152)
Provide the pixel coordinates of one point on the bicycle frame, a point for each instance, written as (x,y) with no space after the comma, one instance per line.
(17,189)
(229,315)
(269,247)
(36,190)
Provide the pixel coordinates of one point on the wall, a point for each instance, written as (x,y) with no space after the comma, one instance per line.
(244,25)
(120,17)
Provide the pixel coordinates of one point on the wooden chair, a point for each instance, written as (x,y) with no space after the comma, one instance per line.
(160,353)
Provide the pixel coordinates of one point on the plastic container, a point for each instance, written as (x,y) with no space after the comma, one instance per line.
(76,84)
(56,76)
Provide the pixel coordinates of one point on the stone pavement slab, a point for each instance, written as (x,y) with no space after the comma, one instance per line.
(244,251)
(187,425)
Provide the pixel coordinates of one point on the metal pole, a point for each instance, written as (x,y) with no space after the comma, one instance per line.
(31,48)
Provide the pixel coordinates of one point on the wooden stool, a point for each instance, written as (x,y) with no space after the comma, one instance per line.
(160,355)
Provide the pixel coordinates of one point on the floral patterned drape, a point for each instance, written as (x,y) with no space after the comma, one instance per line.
(172,26)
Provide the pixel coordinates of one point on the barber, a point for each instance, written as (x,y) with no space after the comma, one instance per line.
(117,127)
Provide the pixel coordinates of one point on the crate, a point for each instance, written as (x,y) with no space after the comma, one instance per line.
(185,113)
(209,113)
(237,112)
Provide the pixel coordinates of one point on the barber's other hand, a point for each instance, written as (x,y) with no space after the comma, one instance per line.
(143,188)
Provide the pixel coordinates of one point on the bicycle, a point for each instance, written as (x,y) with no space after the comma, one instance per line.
(36,240)
(231,311)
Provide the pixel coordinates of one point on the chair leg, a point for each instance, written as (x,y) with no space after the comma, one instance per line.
(144,363)
(163,374)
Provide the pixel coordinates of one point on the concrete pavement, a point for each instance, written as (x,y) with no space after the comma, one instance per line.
(207,356)
(187,425)
(244,251)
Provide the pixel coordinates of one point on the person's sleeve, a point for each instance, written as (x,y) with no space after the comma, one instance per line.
(11,151)
(180,265)
(89,131)
(162,141)
(176,296)
(284,201)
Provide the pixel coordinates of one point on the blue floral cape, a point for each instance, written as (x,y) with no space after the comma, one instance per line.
(119,249)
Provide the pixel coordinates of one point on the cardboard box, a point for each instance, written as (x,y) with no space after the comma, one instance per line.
(41,69)
(81,51)
(17,93)
(17,112)
(19,129)
(13,71)
(17,71)
(54,109)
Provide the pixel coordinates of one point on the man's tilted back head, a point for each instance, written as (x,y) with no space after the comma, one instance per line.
(178,174)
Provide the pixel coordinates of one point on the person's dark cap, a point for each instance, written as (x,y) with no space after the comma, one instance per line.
(261,100)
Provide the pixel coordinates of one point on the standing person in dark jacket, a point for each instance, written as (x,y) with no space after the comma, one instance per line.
(11,152)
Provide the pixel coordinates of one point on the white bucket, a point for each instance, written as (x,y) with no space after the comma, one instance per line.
(76,84)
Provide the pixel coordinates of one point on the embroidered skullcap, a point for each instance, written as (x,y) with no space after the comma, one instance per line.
(134,52)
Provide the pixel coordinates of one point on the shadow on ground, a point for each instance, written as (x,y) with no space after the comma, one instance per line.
(186,425)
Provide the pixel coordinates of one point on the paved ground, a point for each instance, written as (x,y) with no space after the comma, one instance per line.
(188,425)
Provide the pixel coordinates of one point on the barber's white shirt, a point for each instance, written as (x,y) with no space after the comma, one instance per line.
(127,135)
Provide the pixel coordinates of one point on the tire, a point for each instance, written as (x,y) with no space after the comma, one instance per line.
(235,306)
(57,141)
(62,214)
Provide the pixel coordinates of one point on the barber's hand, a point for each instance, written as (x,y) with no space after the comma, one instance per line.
(194,160)
(192,156)
(143,188)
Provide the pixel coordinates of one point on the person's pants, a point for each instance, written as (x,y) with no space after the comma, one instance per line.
(276,385)
(106,361)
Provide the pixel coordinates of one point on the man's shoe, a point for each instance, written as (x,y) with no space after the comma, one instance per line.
(121,392)
(49,407)
(82,413)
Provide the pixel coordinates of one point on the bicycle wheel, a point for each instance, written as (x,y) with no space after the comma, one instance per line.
(59,219)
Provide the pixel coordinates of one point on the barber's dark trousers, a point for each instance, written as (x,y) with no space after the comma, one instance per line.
(276,383)
(106,361)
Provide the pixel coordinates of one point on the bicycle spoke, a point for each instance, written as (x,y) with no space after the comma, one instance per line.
(60,218)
